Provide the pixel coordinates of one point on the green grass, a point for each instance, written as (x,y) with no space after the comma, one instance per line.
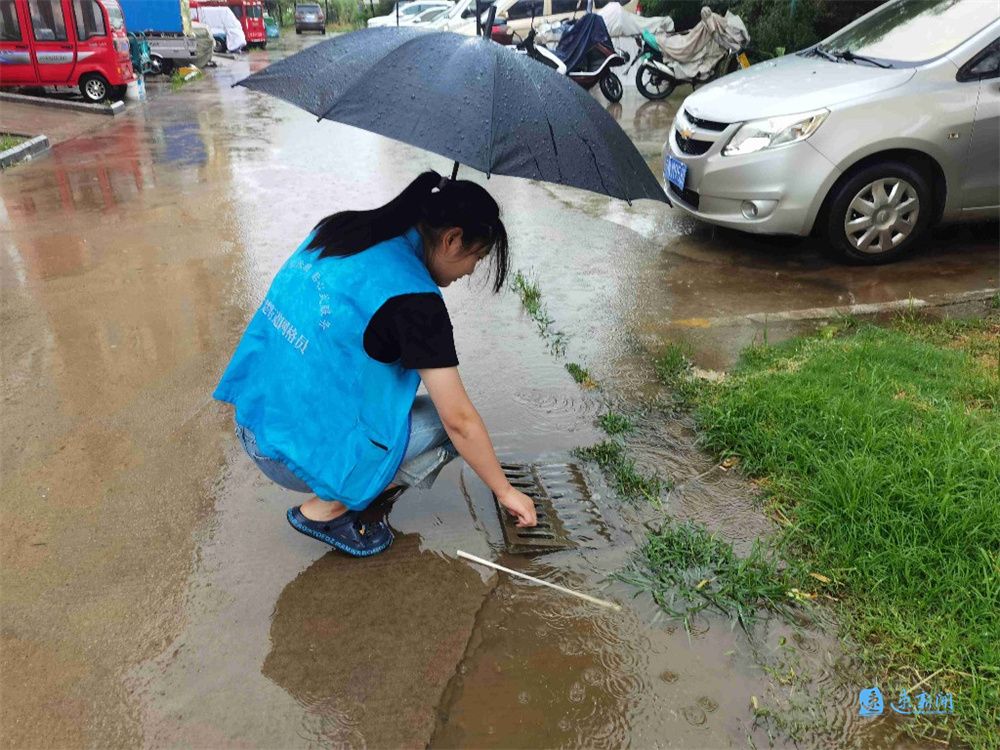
(671,364)
(177,80)
(673,369)
(580,375)
(628,483)
(529,292)
(9,141)
(882,449)
(615,424)
(687,569)
(531,300)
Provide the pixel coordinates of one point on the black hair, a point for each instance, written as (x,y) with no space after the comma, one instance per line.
(430,204)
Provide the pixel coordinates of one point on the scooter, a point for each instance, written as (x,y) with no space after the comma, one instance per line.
(655,79)
(595,66)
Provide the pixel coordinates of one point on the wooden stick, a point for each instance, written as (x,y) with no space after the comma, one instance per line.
(928,677)
(557,587)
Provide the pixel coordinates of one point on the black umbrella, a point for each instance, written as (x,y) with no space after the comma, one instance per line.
(466,98)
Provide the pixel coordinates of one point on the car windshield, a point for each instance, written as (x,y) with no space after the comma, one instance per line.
(912,31)
(115,14)
(307,8)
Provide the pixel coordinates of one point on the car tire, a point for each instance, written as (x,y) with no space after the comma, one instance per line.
(118,92)
(160,65)
(611,86)
(263,45)
(879,213)
(644,83)
(298,31)
(322,32)
(94,87)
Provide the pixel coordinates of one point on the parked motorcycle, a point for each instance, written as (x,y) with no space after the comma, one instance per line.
(713,48)
(584,53)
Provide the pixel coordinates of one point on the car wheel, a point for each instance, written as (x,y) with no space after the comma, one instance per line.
(611,86)
(653,84)
(94,87)
(879,213)
(263,45)
(118,92)
(298,31)
(160,65)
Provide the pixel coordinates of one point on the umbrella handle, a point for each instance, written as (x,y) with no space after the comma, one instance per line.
(454,171)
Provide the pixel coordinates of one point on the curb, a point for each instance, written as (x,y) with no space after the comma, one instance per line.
(24,151)
(823,313)
(116,108)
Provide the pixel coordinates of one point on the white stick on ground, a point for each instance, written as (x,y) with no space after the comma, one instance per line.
(557,587)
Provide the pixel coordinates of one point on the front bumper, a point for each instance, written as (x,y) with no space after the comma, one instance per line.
(786,185)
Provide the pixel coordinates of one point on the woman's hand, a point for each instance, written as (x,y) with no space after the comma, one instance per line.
(468,433)
(519,505)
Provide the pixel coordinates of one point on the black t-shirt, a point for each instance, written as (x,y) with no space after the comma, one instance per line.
(414,329)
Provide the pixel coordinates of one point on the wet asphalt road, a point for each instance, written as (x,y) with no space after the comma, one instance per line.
(152,593)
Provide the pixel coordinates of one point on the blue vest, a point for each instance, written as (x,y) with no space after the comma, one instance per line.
(302,382)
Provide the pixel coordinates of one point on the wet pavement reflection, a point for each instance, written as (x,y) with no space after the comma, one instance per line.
(153,593)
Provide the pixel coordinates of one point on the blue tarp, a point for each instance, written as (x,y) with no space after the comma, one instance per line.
(152,15)
(584,34)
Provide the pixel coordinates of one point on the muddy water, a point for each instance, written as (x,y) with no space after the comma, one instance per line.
(152,592)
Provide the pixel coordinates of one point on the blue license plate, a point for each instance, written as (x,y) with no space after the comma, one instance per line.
(676,172)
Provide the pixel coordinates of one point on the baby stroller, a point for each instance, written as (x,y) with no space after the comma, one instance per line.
(584,53)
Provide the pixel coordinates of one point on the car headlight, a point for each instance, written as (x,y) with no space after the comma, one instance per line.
(772,132)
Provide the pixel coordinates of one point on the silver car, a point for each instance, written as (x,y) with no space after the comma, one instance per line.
(883,129)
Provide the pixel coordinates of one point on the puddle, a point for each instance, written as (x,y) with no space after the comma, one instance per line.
(142,532)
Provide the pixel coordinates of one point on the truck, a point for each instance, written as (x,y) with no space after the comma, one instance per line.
(173,40)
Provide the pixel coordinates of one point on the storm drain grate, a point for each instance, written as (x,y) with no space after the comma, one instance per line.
(550,534)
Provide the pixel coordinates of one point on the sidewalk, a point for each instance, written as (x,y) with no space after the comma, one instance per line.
(58,124)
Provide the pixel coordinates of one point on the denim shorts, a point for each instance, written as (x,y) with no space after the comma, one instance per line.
(426,454)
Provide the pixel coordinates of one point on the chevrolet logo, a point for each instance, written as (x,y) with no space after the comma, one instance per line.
(686,133)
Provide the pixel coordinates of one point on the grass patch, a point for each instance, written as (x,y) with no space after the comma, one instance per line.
(687,569)
(531,300)
(882,448)
(529,292)
(621,472)
(178,79)
(615,424)
(9,141)
(673,368)
(672,364)
(580,375)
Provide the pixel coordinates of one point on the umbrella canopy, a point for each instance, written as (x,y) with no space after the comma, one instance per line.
(468,99)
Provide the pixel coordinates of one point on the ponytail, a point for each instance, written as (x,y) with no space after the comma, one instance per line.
(432,205)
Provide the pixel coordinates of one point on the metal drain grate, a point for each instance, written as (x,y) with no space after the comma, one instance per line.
(550,533)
